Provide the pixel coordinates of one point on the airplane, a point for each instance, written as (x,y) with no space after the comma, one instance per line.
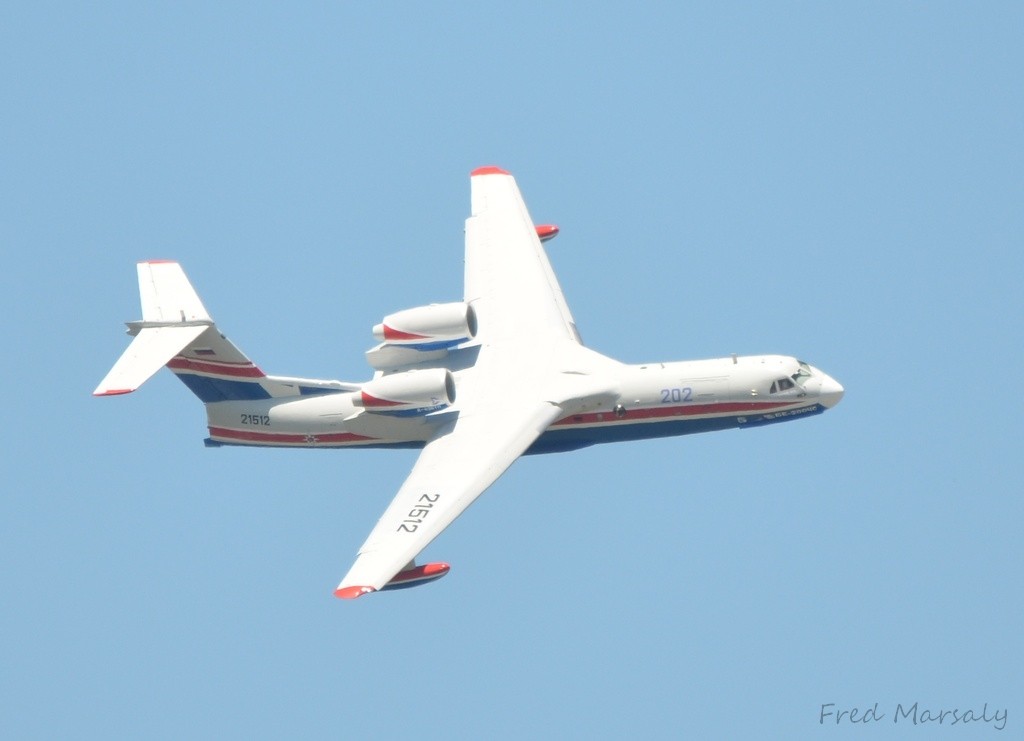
(475,384)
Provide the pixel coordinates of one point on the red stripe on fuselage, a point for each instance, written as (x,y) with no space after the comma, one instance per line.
(251,436)
(220,368)
(689,410)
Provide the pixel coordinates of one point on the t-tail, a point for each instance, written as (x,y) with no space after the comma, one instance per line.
(176,331)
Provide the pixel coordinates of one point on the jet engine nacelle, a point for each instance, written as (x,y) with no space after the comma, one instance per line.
(428,327)
(409,393)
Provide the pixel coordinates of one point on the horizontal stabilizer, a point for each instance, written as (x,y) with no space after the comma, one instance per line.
(150,350)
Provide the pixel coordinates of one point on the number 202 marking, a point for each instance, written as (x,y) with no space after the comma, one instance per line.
(670,395)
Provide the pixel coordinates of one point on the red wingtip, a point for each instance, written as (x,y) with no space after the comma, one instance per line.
(352,592)
(488,170)
(546,232)
(112,392)
(431,569)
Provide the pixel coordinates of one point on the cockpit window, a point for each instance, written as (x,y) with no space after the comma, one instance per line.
(783,384)
(802,374)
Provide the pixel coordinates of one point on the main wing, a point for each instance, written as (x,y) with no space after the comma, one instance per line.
(466,457)
(521,315)
(509,280)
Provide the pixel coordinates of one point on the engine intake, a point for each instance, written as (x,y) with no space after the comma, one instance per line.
(409,393)
(431,327)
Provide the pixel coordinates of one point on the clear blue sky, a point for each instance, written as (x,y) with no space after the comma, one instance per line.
(841,184)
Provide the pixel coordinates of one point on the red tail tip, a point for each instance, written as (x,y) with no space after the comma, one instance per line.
(488,170)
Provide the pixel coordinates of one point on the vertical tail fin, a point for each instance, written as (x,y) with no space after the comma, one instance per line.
(167,295)
(215,370)
(177,331)
(172,318)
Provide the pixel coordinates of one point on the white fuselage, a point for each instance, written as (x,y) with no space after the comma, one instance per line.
(636,402)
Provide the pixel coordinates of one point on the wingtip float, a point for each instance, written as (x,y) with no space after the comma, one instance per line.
(413,577)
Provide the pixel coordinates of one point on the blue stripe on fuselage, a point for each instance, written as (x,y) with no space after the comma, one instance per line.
(783,415)
(219,389)
(223,389)
(319,391)
(559,438)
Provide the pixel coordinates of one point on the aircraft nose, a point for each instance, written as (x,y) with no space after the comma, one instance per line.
(831,391)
